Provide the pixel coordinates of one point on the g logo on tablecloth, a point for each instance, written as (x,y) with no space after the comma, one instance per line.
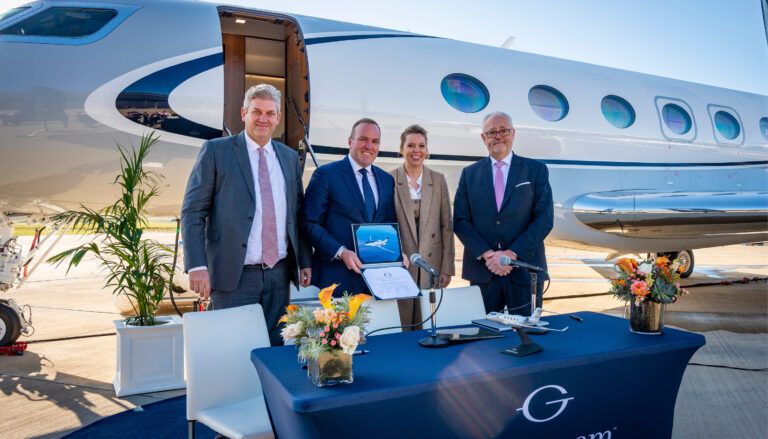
(527,404)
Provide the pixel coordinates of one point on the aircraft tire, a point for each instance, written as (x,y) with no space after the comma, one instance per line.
(686,258)
(10,326)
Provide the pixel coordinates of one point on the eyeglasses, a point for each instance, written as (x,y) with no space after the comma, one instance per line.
(504,132)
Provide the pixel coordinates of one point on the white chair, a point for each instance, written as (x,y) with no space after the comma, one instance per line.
(304,293)
(223,388)
(384,313)
(460,306)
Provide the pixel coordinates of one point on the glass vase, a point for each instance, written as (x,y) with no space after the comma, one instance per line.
(330,368)
(646,317)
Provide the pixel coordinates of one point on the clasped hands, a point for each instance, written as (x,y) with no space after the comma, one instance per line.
(492,261)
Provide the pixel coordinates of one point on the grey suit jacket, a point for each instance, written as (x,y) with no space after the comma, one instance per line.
(435,243)
(219,205)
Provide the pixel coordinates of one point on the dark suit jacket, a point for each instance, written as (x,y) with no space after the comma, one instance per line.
(332,204)
(524,221)
(218,209)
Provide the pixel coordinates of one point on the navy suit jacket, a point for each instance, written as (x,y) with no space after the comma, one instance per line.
(524,221)
(333,202)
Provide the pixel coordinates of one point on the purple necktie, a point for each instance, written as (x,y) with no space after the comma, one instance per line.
(498,184)
(269,255)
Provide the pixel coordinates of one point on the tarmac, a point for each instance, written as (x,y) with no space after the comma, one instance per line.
(64,380)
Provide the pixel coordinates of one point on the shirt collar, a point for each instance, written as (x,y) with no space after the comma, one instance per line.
(253,146)
(418,180)
(507,160)
(356,168)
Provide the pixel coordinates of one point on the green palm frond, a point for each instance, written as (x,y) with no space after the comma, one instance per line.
(136,267)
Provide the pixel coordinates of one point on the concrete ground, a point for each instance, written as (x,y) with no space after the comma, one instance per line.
(64,380)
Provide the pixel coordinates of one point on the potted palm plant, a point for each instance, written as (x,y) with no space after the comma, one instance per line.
(149,348)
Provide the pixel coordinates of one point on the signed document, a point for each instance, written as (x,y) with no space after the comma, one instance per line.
(390,283)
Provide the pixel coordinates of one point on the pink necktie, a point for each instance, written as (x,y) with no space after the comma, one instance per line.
(498,184)
(269,255)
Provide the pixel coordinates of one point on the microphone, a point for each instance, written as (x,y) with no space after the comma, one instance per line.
(424,265)
(506,260)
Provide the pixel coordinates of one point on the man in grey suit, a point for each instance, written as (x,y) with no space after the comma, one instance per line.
(241,237)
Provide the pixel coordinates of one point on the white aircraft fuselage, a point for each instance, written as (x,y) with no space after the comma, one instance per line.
(179,67)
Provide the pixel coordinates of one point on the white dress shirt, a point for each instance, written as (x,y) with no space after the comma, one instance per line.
(277,181)
(415,193)
(505,169)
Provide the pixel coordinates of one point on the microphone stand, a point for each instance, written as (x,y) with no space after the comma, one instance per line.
(433,341)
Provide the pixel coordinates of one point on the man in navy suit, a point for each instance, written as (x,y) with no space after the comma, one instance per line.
(503,206)
(349,191)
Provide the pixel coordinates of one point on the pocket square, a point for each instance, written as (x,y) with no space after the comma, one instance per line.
(523,183)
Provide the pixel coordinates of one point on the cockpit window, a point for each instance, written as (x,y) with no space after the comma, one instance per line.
(11,12)
(62,22)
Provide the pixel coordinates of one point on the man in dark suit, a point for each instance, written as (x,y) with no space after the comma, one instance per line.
(239,217)
(503,206)
(349,191)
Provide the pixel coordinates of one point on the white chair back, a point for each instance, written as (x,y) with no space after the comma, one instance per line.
(384,313)
(217,352)
(460,306)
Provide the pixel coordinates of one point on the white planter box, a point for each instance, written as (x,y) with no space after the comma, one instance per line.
(149,358)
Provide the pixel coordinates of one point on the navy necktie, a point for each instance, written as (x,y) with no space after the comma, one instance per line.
(370,202)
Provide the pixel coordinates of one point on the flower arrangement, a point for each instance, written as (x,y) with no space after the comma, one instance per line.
(336,326)
(653,279)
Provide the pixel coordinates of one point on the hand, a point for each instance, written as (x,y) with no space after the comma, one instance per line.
(200,283)
(305,277)
(444,280)
(351,260)
(406,261)
(494,265)
(488,255)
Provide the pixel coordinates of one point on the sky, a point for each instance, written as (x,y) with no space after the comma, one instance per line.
(714,42)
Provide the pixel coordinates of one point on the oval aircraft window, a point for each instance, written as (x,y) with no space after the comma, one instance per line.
(764,127)
(727,125)
(676,118)
(464,93)
(548,103)
(617,111)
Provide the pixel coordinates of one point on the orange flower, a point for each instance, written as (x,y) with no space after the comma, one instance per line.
(627,265)
(325,296)
(640,288)
(662,261)
(355,302)
(292,308)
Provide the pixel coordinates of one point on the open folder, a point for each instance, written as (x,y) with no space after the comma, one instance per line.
(378,247)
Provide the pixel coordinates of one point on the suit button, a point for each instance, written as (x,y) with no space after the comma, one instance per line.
(433,235)
(250,218)
(498,222)
(429,255)
(244,246)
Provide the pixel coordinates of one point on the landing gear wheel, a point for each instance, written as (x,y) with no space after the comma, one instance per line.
(10,326)
(686,261)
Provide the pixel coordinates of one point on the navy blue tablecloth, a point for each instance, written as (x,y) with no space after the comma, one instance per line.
(596,377)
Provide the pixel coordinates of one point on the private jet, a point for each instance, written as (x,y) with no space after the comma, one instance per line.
(638,163)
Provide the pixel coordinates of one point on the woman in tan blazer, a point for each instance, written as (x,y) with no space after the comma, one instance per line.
(423,208)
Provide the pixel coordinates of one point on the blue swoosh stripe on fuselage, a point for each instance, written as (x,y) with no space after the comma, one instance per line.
(321,40)
(151,93)
(335,150)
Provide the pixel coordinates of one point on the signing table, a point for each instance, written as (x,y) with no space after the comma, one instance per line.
(597,378)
